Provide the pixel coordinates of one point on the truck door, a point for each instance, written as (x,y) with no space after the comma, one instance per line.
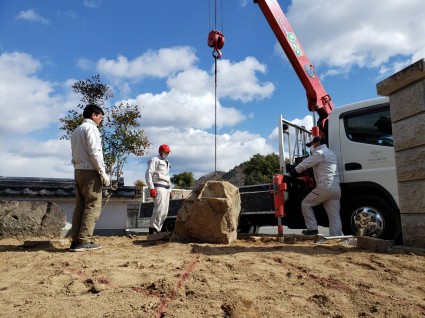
(367,152)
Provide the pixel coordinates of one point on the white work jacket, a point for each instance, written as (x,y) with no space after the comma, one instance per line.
(86,146)
(324,164)
(158,173)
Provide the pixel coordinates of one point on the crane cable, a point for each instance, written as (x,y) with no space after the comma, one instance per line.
(215,116)
(216,41)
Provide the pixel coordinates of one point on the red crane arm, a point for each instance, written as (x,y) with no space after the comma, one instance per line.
(317,97)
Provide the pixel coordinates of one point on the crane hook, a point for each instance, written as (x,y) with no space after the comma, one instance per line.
(216,41)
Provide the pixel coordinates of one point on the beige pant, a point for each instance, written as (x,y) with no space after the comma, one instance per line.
(329,197)
(160,208)
(88,204)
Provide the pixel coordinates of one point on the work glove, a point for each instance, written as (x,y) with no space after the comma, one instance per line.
(106,180)
(293,173)
(152,193)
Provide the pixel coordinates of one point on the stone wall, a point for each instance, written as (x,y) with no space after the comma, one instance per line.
(30,218)
(406,90)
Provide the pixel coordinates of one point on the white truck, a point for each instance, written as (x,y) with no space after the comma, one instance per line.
(360,134)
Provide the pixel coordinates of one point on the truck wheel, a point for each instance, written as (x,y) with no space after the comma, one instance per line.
(372,214)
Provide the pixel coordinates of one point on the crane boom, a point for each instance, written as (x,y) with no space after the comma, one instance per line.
(317,98)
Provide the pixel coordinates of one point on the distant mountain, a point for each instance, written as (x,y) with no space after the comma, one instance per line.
(258,170)
(235,176)
(212,175)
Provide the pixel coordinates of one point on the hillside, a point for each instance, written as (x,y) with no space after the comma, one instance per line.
(235,176)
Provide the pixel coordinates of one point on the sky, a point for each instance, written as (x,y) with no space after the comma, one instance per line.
(154,54)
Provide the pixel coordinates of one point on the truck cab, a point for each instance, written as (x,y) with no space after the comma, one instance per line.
(360,134)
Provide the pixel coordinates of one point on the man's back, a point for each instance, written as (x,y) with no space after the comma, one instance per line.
(326,170)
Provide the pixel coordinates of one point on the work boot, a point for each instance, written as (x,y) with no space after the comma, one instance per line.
(153,230)
(82,247)
(310,232)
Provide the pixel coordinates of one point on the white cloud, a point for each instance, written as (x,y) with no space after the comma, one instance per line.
(25,156)
(32,16)
(193,81)
(27,103)
(173,108)
(161,63)
(239,80)
(243,3)
(235,81)
(67,14)
(30,109)
(184,110)
(92,3)
(85,64)
(190,101)
(194,150)
(33,148)
(363,33)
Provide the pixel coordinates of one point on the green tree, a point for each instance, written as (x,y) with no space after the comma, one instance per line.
(259,169)
(183,180)
(92,91)
(120,131)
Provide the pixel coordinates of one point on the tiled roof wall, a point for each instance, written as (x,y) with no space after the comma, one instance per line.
(52,187)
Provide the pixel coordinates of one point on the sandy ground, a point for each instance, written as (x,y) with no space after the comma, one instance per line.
(253,277)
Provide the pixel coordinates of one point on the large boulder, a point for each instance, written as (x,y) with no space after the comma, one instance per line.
(209,215)
(31,218)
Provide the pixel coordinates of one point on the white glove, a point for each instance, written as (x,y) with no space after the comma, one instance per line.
(106,180)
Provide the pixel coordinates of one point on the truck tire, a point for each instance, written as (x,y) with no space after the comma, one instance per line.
(372,214)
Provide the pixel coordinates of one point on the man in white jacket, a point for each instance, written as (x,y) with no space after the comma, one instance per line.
(327,191)
(90,174)
(158,181)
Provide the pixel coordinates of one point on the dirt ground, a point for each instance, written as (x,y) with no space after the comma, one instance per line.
(253,277)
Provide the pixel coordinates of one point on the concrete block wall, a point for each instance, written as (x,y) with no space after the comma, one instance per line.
(406,90)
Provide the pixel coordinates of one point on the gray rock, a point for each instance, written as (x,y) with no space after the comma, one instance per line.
(31,218)
(209,215)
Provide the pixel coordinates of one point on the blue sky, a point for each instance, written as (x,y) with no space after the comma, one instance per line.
(154,54)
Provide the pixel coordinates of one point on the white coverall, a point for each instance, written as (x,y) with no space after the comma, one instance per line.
(327,191)
(158,178)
